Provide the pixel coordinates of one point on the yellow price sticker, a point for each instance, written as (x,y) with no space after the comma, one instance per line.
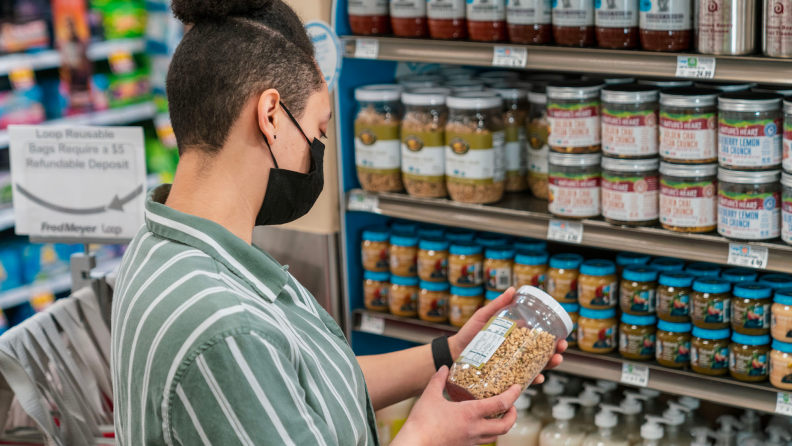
(22,78)
(121,62)
(42,300)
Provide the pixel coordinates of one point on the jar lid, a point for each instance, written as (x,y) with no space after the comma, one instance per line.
(490,240)
(566,261)
(776,281)
(598,314)
(598,267)
(431,231)
(537,97)
(784,347)
(675,327)
(404,240)
(502,252)
(610,80)
(787,106)
(530,244)
(457,73)
(573,89)
(688,97)
(711,285)
(499,75)
(640,273)
(466,248)
(749,101)
(630,94)
(632,258)
(734,275)
(460,235)
(638,320)
(752,290)
(630,165)
(783,296)
(405,227)
(376,233)
(703,333)
(667,264)
(689,170)
(492,295)
(531,258)
(542,79)
(464,85)
(511,90)
(703,269)
(663,83)
(467,291)
(404,281)
(725,87)
(750,340)
(677,279)
(425,96)
(377,276)
(575,159)
(420,80)
(433,244)
(786,179)
(570,308)
(434,286)
(783,90)
(474,100)
(378,92)
(549,302)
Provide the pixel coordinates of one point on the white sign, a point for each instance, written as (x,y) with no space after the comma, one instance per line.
(372,324)
(747,255)
(509,56)
(635,375)
(327,50)
(362,201)
(565,231)
(80,183)
(784,404)
(366,48)
(696,67)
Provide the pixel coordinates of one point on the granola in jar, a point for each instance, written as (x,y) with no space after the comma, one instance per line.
(377,143)
(515,115)
(423,142)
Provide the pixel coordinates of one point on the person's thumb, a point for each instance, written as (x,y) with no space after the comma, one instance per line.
(437,383)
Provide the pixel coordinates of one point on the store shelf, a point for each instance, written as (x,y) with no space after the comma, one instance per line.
(587,60)
(52,59)
(525,216)
(760,397)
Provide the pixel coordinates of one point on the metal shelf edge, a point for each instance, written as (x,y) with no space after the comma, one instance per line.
(52,59)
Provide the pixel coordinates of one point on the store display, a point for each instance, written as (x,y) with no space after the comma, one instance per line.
(729,87)
(781,316)
(665,83)
(710,303)
(688,125)
(597,284)
(725,27)
(629,120)
(630,191)
(375,249)
(433,260)
(667,264)
(688,197)
(617,24)
(377,143)
(573,310)
(749,204)
(786,209)
(562,277)
(673,344)
(460,235)
(530,268)
(486,20)
(498,265)
(574,183)
(446,19)
(597,330)
(709,351)
(530,244)
(423,142)
(637,336)
(369,17)
(573,115)
(776,281)
(780,372)
(463,303)
(538,149)
(465,264)
(404,255)
(529,22)
(749,130)
(433,301)
(702,269)
(408,18)
(562,431)
(638,290)
(751,308)
(748,357)
(665,25)
(515,115)
(573,23)
(737,275)
(376,288)
(403,296)
(625,259)
(427,230)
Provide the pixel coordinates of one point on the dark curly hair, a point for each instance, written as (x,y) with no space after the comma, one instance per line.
(235,50)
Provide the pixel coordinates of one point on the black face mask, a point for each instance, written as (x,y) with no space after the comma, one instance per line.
(290,195)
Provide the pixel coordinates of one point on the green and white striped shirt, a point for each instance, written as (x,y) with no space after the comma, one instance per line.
(215,343)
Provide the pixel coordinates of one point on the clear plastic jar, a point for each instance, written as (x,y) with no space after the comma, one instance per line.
(667,264)
(781,365)
(617,24)
(465,264)
(597,284)
(376,288)
(777,281)
(666,25)
(538,149)
(529,330)
(573,114)
(404,255)
(529,22)
(423,142)
(574,313)
(515,115)
(665,83)
(786,208)
(749,204)
(749,130)
(573,23)
(367,17)
(530,268)
(702,269)
(408,18)
(729,87)
(446,19)
(405,227)
(433,260)
(748,357)
(475,138)
(498,265)
(710,303)
(783,90)
(673,344)
(377,143)
(463,303)
(738,275)
(562,277)
(709,351)
(673,296)
(689,197)
(454,235)
(781,319)
(375,249)
(486,20)
(630,191)
(751,308)
(463,85)
(638,290)
(688,125)
(629,121)
(433,302)
(637,337)
(597,330)
(575,181)
(427,230)
(625,259)
(403,298)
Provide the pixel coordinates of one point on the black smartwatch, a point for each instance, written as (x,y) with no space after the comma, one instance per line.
(441,353)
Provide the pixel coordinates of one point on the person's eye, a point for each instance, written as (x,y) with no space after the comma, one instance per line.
(323,135)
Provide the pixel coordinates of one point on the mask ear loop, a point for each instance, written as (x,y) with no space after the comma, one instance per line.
(295,122)
(272,154)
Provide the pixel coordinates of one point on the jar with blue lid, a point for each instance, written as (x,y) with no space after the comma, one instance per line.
(637,337)
(638,290)
(375,249)
(427,230)
(734,275)
(498,266)
(751,303)
(673,344)
(433,259)
(404,255)
(702,269)
(709,351)
(748,357)
(598,330)
(433,301)
(625,259)
(463,303)
(777,281)
(710,303)
(465,264)
(376,288)
(780,362)
(562,277)
(530,268)
(781,319)
(405,227)
(460,235)
(665,264)
(573,310)
(673,296)
(530,244)
(403,298)
(597,284)
(491,240)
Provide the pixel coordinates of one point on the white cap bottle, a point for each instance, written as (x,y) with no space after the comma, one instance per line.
(726,435)
(652,430)
(563,431)
(701,436)
(525,431)
(605,421)
(632,409)
(753,428)
(777,436)
(589,400)
(676,434)
(552,388)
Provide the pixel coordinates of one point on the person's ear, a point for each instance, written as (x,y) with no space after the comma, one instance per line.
(268,116)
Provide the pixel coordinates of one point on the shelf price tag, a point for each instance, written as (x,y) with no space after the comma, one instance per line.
(366,48)
(362,201)
(372,324)
(784,404)
(565,231)
(635,375)
(695,66)
(747,255)
(509,56)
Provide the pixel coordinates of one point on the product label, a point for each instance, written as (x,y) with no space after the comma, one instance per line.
(665,14)
(597,338)
(676,303)
(433,307)
(673,351)
(486,342)
(563,290)
(749,217)
(715,357)
(537,280)
(786,224)
(616,13)
(714,26)
(445,9)
(688,205)
(538,160)
(749,143)
(404,259)
(573,125)
(781,325)
(377,257)
(460,314)
(629,133)
(464,274)
(574,195)
(573,12)
(603,296)
(751,315)
(638,301)
(403,300)
(475,158)
(787,143)
(529,12)
(748,363)
(499,279)
(423,156)
(630,198)
(407,8)
(712,311)
(572,338)
(637,345)
(688,137)
(368,7)
(486,10)
(434,269)
(377,148)
(516,150)
(778,33)
(376,296)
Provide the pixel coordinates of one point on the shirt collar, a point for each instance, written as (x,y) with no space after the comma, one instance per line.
(248,262)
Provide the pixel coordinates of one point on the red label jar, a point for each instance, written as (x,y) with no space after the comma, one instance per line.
(630,191)
(689,197)
(629,120)
(529,21)
(575,181)
(573,22)
(688,125)
(617,23)
(369,17)
(749,130)
(665,25)
(486,20)
(446,19)
(777,37)
(573,114)
(408,18)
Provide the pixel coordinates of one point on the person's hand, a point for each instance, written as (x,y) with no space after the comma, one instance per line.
(435,421)
(459,341)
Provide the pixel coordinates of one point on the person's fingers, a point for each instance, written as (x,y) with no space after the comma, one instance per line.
(499,403)
(538,380)
(486,312)
(499,426)
(554,362)
(562,346)
(487,440)
(437,382)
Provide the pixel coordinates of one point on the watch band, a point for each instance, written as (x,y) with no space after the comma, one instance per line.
(441,353)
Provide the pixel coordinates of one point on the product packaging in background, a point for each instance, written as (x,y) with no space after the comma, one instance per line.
(25,26)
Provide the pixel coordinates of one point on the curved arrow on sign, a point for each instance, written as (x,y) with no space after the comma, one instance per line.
(116,204)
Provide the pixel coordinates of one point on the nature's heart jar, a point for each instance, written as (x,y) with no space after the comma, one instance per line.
(630,191)
(375,249)
(750,126)
(575,181)
(629,120)
(688,125)
(689,197)
(573,114)
(749,204)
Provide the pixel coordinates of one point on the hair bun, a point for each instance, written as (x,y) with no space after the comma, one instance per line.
(196,11)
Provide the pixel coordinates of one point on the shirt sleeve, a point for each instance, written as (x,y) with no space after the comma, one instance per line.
(244,391)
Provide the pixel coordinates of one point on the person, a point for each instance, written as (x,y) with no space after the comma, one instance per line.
(213,341)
